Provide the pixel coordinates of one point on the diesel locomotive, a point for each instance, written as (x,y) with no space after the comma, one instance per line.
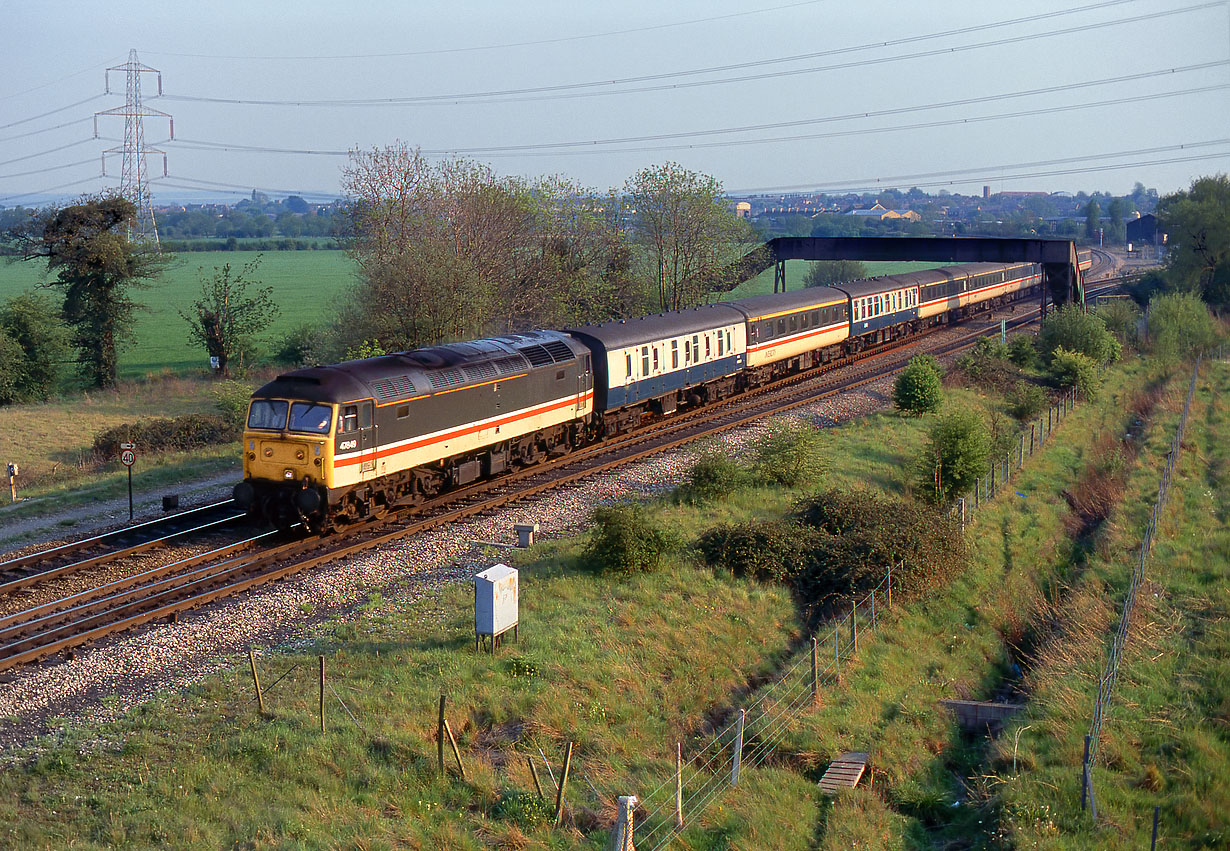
(334,444)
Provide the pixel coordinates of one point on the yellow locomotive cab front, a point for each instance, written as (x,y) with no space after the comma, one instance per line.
(287,451)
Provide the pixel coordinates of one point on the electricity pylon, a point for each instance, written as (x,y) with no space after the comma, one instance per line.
(134,177)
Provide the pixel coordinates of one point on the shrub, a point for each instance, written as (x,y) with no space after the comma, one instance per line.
(1074,369)
(1073,329)
(774,550)
(991,347)
(524,809)
(1179,325)
(298,346)
(930,361)
(190,431)
(231,402)
(1120,316)
(625,540)
(33,322)
(917,390)
(1023,350)
(12,362)
(713,475)
(956,455)
(859,533)
(1026,401)
(788,454)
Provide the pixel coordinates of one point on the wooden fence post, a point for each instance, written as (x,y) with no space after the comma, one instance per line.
(456,752)
(678,786)
(815,674)
(738,755)
(440,739)
(563,783)
(1031,438)
(529,760)
(322,694)
(260,698)
(621,834)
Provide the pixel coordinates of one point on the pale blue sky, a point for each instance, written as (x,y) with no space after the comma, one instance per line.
(470,55)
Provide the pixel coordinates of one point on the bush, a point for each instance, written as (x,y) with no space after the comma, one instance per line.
(12,362)
(713,475)
(298,346)
(34,323)
(774,550)
(625,540)
(1073,329)
(956,455)
(1120,316)
(191,431)
(917,390)
(788,454)
(1026,401)
(860,533)
(1074,369)
(524,809)
(991,347)
(1179,325)
(1023,350)
(231,401)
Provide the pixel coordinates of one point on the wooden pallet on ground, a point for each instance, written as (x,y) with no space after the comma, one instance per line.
(845,772)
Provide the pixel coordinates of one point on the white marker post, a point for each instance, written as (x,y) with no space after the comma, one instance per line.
(128,457)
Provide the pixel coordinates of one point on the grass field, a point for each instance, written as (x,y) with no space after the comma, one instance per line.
(797,269)
(304,285)
(624,667)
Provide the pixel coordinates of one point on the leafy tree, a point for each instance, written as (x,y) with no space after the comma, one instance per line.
(1075,369)
(1026,401)
(1198,224)
(12,362)
(1179,325)
(86,246)
(1093,219)
(957,453)
(33,323)
(1023,350)
(229,312)
(1117,210)
(826,273)
(688,237)
(917,390)
(1073,329)
(450,250)
(1120,315)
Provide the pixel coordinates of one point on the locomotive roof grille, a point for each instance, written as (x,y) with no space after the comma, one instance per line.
(444,379)
(559,350)
(479,371)
(538,355)
(512,365)
(396,387)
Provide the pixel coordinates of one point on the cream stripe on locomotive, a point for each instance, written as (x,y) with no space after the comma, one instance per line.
(425,449)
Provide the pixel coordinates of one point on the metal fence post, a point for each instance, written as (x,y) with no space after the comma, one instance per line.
(1085,774)
(815,673)
(738,755)
(678,786)
(854,627)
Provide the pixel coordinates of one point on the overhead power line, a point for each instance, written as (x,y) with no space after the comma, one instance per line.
(604,87)
(46,152)
(591,144)
(986,170)
(93,67)
(989,176)
(8,198)
(51,112)
(630,31)
(45,129)
(49,168)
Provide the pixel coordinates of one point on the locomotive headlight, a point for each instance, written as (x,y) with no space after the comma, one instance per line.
(288,474)
(299,455)
(316,462)
(268,451)
(251,456)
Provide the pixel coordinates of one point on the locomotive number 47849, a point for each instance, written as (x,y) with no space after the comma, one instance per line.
(348,444)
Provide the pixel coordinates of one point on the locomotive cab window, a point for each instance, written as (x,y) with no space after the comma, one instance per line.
(267,414)
(349,420)
(310,417)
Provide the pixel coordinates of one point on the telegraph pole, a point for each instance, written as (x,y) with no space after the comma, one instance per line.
(134,177)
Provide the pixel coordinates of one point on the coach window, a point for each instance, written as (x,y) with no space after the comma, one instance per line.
(794,324)
(656,365)
(728,343)
(628,358)
(687,352)
(708,347)
(674,354)
(349,419)
(644,360)
(721,344)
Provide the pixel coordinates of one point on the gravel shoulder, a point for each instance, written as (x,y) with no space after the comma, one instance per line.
(102,682)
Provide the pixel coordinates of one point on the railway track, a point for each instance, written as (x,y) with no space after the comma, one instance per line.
(168,590)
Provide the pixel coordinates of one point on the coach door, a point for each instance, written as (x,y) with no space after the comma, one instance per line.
(367,442)
(583,384)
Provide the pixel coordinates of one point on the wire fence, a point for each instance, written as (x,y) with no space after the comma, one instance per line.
(987,486)
(752,733)
(1110,673)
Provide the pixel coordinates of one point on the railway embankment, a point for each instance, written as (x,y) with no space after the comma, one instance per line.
(624,667)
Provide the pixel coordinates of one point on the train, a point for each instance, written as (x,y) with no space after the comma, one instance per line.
(330,445)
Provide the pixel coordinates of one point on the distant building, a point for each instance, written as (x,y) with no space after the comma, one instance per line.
(1144,230)
(879,211)
(743,209)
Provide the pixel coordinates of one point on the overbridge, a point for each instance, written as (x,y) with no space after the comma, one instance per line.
(1061,273)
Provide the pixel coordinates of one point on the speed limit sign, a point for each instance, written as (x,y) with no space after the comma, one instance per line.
(128,457)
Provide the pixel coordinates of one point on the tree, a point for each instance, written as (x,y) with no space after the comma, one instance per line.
(1117,210)
(917,390)
(688,237)
(226,315)
(86,245)
(1093,219)
(1198,224)
(32,323)
(1179,325)
(826,273)
(1073,329)
(956,455)
(448,249)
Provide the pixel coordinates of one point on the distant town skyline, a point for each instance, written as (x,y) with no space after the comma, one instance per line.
(775,98)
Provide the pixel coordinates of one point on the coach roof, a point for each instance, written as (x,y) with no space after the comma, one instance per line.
(659,326)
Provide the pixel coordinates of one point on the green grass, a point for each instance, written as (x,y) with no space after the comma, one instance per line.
(623,667)
(797,269)
(304,285)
